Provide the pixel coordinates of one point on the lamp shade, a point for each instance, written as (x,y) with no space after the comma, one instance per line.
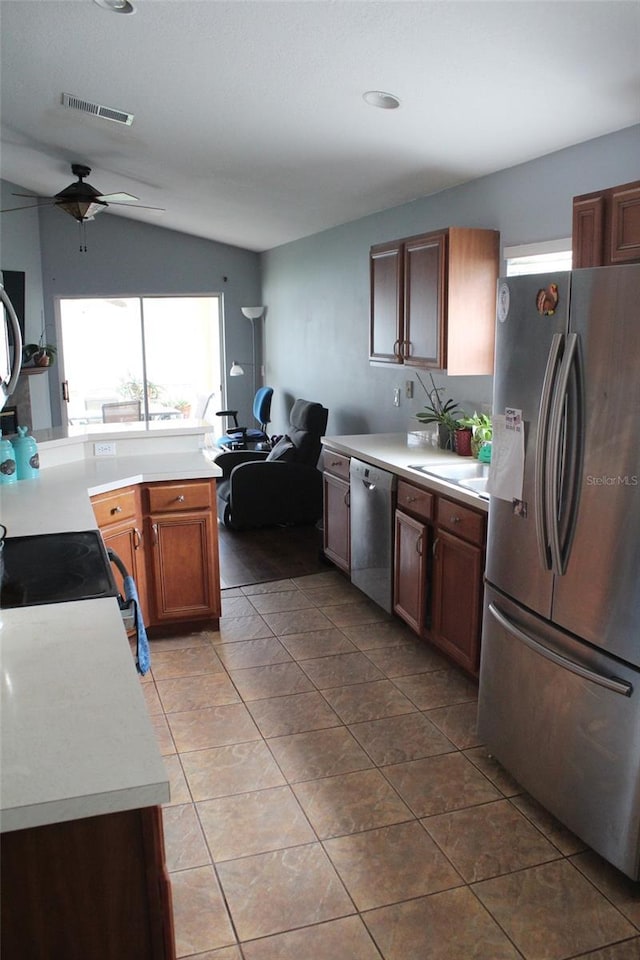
(252,313)
(236,370)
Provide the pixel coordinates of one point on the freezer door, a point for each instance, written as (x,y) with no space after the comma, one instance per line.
(565,721)
(598,597)
(529,347)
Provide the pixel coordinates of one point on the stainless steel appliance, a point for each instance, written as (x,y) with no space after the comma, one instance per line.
(10,346)
(560,669)
(371,512)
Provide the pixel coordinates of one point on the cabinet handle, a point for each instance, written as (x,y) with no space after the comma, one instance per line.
(117,509)
(397,352)
(137,539)
(455,519)
(406,348)
(154,530)
(434,549)
(410,499)
(419,545)
(180,498)
(335,463)
(347,498)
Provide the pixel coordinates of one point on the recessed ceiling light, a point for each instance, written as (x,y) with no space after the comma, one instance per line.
(116,6)
(377,98)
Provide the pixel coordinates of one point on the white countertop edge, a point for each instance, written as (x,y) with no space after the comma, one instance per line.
(392,452)
(78,808)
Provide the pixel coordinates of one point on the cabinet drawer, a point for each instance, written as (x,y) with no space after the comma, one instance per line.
(336,464)
(415,500)
(460,520)
(169,497)
(113,507)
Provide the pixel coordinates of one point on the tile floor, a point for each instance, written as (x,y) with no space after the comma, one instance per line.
(330,799)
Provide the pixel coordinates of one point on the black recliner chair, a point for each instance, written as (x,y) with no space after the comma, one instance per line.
(283,486)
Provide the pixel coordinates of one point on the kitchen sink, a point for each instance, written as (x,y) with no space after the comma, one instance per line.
(469,475)
(455,472)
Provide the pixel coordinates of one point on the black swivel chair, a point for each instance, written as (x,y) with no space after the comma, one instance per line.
(237,438)
(284,486)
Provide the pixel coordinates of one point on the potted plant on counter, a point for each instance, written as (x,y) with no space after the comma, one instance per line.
(481,430)
(442,412)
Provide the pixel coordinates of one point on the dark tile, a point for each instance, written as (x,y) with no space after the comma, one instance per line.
(458,722)
(384,634)
(184,842)
(317,643)
(274,680)
(355,612)
(223,771)
(438,784)
(350,803)
(346,939)
(402,738)
(280,716)
(200,916)
(212,727)
(553,830)
(482,759)
(281,601)
(318,753)
(488,840)
(252,653)
(623,892)
(343,668)
(368,701)
(551,912)
(390,864)
(451,925)
(193,693)
(277,891)
(297,621)
(440,688)
(408,659)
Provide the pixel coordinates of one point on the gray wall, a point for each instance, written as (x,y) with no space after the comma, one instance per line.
(317,289)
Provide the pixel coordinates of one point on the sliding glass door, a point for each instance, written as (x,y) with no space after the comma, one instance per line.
(140,358)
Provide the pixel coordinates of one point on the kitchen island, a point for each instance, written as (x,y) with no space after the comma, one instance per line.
(82,777)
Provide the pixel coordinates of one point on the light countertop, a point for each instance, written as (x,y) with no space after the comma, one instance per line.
(76,739)
(396,452)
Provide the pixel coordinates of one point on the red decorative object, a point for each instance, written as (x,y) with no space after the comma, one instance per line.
(547,300)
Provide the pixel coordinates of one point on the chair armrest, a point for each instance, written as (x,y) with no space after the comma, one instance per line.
(226,413)
(233,458)
(275,491)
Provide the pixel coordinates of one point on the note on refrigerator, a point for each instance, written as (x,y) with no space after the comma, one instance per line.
(506,476)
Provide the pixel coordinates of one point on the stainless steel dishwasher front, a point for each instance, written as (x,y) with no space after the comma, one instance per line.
(372,492)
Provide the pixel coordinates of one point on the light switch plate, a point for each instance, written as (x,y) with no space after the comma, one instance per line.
(105,448)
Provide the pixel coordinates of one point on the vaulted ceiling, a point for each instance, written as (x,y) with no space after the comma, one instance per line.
(249,121)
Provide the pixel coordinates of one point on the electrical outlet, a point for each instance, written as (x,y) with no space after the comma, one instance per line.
(408,389)
(396,396)
(106,448)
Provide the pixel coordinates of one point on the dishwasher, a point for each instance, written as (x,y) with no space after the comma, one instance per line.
(372,492)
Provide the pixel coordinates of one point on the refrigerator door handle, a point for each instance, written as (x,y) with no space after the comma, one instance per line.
(542,449)
(556,475)
(610,683)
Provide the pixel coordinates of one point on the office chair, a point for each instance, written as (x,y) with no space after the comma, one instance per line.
(236,437)
(121,412)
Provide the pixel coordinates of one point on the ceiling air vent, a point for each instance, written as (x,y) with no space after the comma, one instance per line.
(96,109)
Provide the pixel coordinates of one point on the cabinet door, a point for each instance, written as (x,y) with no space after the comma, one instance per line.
(125,539)
(410,578)
(588,232)
(386,295)
(183,566)
(424,286)
(336,534)
(457,598)
(625,225)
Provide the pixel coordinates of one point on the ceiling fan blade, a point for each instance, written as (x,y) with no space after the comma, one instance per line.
(27,206)
(31,196)
(136,206)
(118,197)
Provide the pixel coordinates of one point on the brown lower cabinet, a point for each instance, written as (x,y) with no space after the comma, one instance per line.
(438,570)
(93,888)
(167,536)
(336,537)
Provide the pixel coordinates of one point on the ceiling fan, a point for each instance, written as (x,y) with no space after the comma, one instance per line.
(80,200)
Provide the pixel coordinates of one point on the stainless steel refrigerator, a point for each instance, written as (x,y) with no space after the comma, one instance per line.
(559,702)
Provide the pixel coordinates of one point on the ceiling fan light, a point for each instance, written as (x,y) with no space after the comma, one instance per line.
(81,209)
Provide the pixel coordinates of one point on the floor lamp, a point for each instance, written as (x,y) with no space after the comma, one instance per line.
(253,314)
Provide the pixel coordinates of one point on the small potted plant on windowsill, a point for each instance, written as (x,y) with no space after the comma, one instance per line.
(442,412)
(38,354)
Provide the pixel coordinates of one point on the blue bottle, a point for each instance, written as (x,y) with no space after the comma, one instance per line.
(26,455)
(8,472)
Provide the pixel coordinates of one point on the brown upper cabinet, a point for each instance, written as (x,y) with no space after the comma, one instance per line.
(606,226)
(433,300)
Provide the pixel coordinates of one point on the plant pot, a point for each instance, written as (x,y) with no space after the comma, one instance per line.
(462,440)
(444,437)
